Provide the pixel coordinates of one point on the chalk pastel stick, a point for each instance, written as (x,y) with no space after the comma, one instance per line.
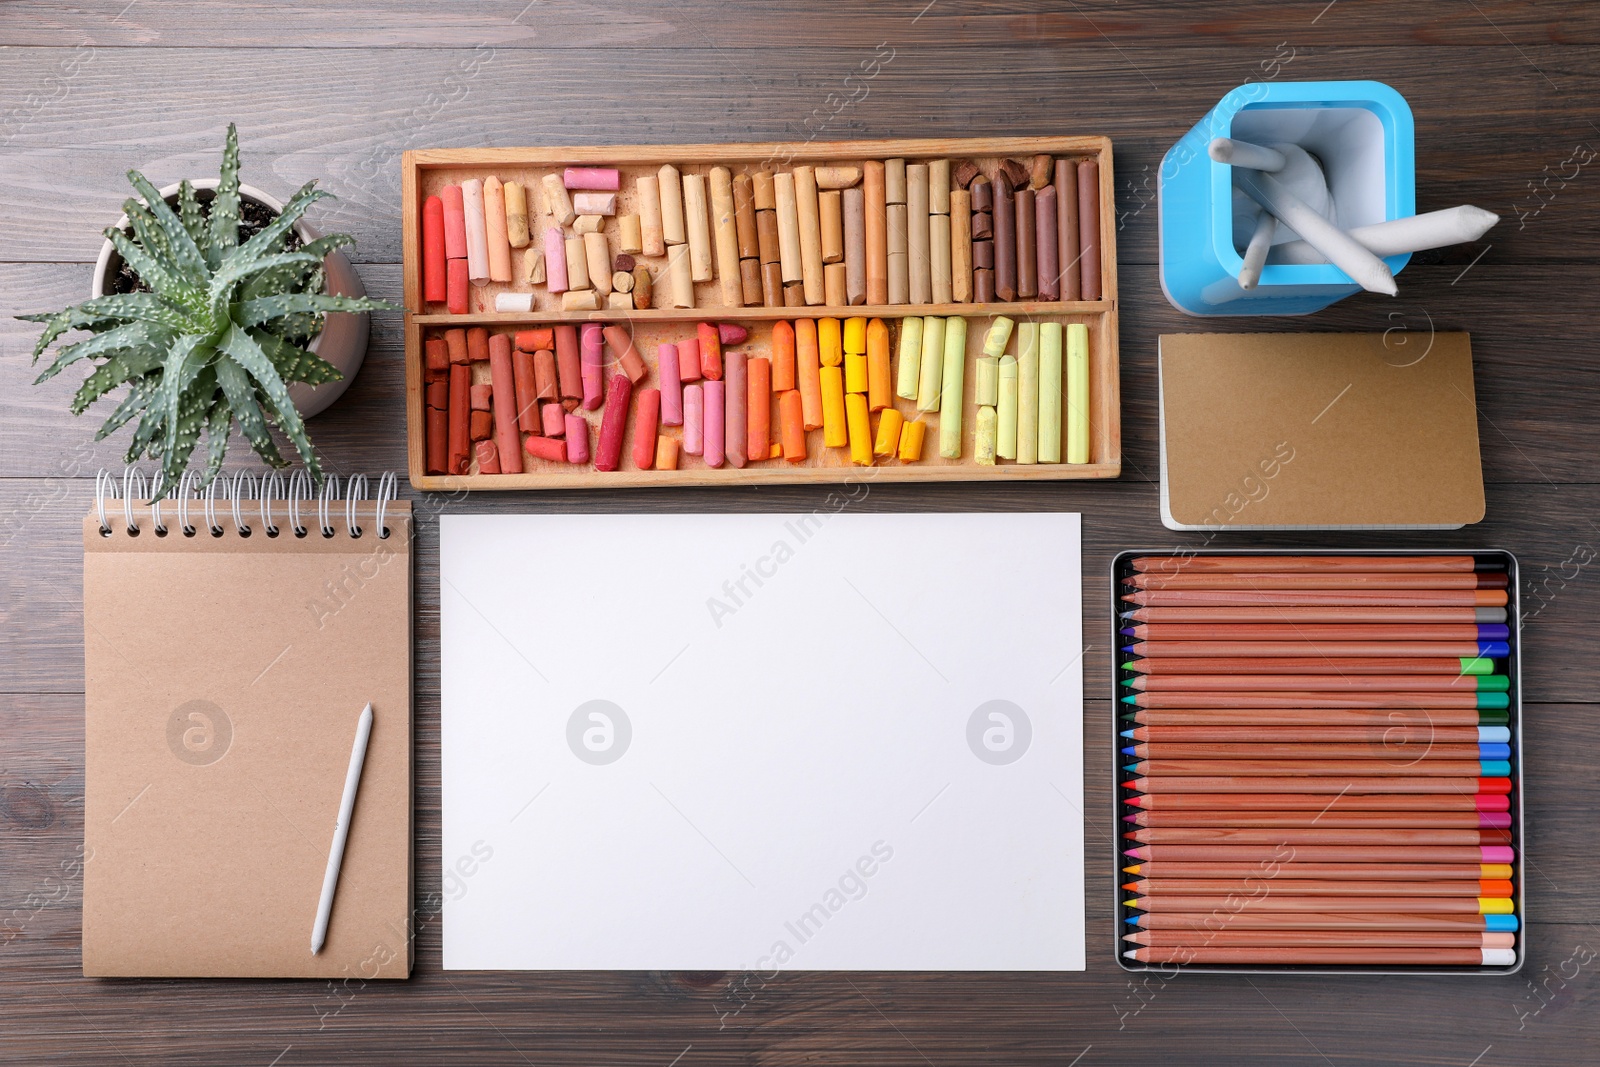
(604,179)
(1050,383)
(499,251)
(808,362)
(477,233)
(783,376)
(1027,392)
(555,260)
(736,409)
(1077,393)
(791,420)
(591,354)
(671,384)
(693,419)
(758,409)
(910,358)
(712,428)
(433,257)
(931,371)
(613,423)
(954,367)
(577,439)
(455,222)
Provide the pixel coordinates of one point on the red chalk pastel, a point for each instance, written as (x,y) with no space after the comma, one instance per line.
(480,397)
(505,402)
(731,333)
(488,458)
(550,448)
(433,257)
(527,394)
(568,369)
(689,360)
(456,286)
(628,356)
(613,423)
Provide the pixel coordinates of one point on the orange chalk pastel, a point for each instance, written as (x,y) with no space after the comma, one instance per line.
(782,357)
(807,365)
(791,422)
(880,389)
(758,411)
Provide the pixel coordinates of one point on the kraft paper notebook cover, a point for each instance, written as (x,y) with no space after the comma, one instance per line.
(1319,431)
(224,676)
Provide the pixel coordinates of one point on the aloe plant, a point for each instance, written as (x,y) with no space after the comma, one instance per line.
(219,335)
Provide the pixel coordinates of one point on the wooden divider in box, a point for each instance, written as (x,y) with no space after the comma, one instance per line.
(427,172)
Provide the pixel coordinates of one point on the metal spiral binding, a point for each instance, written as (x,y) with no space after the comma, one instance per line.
(133,488)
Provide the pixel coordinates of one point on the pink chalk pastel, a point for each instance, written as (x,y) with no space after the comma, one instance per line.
(591,350)
(693,419)
(577,439)
(553,419)
(711,446)
(605,179)
(671,385)
(555,260)
(488,458)
(731,333)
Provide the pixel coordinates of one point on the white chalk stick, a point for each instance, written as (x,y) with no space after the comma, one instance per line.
(1364,268)
(1433,229)
(1244,154)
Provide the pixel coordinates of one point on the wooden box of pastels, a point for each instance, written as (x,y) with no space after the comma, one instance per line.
(702,314)
(1318,761)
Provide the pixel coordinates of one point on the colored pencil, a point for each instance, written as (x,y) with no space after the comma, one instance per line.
(1441,768)
(1266,901)
(1180,887)
(1306,938)
(1312,835)
(1285,613)
(1147,564)
(1392,737)
(1351,580)
(1471,872)
(1456,820)
(1336,784)
(1281,853)
(1373,749)
(1383,651)
(1336,920)
(1236,699)
(1442,666)
(1371,598)
(1316,631)
(1245,683)
(1399,717)
(1320,802)
(1329,954)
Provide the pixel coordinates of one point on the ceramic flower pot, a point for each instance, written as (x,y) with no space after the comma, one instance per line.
(343,340)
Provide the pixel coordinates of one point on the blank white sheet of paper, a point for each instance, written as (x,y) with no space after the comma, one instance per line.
(816,741)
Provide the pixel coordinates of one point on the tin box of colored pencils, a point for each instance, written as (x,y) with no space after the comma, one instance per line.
(1317,761)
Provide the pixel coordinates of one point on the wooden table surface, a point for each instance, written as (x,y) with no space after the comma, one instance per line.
(1506,95)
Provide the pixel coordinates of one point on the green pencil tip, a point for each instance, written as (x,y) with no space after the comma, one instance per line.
(1129,665)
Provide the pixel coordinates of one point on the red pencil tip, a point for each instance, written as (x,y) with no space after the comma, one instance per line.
(1132,783)
(1132,835)
(1137,802)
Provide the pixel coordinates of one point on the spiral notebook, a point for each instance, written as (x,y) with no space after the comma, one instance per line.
(225,668)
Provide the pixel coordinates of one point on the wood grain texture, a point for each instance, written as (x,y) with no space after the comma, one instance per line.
(1502,91)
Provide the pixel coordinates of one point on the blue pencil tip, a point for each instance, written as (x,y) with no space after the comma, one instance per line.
(1129,750)
(1126,631)
(1132,920)
(1130,767)
(1131,698)
(1127,648)
(1127,733)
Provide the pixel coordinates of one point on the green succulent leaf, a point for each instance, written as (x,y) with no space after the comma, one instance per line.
(112,373)
(272,236)
(138,399)
(239,344)
(237,267)
(155,273)
(181,246)
(264,309)
(224,218)
(194,221)
(297,278)
(80,317)
(183,432)
(241,397)
(133,335)
(189,354)
(219,425)
(293,363)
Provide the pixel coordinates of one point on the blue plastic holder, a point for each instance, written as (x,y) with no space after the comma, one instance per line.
(1363,134)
